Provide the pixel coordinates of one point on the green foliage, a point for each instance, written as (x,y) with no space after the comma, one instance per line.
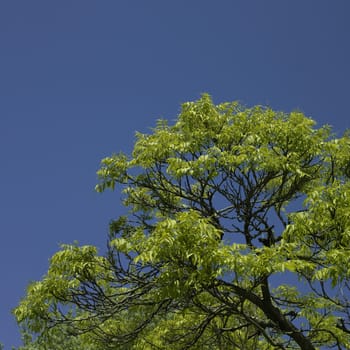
(55,339)
(237,237)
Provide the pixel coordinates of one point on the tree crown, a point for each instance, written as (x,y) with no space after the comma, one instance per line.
(228,207)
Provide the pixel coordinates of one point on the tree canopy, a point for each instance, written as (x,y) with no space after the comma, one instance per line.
(236,236)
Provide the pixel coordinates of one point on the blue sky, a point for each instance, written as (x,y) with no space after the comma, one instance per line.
(78,78)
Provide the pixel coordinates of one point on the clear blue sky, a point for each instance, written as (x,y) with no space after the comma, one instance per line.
(78,78)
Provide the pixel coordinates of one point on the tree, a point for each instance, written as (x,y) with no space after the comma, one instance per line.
(237,237)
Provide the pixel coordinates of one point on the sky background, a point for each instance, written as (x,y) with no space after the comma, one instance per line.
(78,78)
